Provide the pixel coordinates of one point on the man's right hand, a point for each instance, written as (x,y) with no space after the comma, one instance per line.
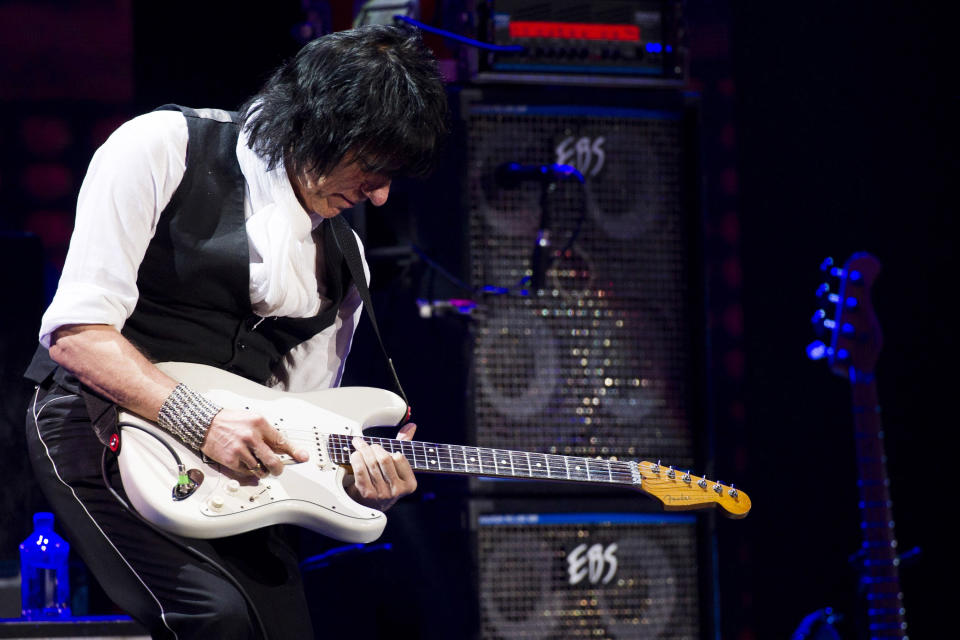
(246,443)
(106,361)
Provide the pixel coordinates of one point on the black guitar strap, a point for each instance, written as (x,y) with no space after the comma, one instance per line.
(347,243)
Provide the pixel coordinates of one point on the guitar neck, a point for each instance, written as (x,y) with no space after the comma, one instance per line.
(502,463)
(880,558)
(677,490)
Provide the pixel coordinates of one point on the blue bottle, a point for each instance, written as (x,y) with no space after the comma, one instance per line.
(44,579)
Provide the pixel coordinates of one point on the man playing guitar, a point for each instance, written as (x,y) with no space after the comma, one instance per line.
(212,237)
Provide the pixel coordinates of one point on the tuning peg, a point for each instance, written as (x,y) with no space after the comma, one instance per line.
(821,323)
(829,267)
(817,350)
(817,321)
(824,294)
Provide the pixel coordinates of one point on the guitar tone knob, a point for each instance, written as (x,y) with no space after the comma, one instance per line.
(233,486)
(216,503)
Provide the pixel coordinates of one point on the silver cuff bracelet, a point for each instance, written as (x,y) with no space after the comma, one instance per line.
(187,415)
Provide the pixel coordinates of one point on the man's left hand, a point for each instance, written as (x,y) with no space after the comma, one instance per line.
(381,478)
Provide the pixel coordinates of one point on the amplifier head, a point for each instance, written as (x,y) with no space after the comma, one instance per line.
(612,42)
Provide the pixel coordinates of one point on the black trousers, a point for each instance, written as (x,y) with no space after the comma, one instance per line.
(163,587)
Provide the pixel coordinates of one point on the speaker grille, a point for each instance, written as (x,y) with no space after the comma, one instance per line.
(588,575)
(597,362)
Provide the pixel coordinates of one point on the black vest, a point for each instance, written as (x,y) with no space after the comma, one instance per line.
(194,296)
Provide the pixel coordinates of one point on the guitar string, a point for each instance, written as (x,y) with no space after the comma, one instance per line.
(486,456)
(414,451)
(618,470)
(619,467)
(602,472)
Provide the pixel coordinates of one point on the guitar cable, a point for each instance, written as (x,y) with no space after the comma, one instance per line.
(182,478)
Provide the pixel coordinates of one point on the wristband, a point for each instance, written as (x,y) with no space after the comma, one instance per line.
(187,415)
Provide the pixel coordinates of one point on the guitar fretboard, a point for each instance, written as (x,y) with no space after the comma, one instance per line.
(881,574)
(482,461)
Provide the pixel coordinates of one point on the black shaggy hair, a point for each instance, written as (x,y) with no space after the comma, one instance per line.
(373,92)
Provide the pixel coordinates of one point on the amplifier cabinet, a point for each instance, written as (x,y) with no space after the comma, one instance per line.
(589,574)
(604,358)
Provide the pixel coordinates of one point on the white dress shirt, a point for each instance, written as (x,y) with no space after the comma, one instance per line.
(131,179)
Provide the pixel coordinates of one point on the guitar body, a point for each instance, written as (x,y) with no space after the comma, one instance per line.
(309,494)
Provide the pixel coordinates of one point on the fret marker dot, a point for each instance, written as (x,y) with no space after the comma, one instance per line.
(473,459)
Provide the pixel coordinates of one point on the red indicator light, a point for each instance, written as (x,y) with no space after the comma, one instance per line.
(575,31)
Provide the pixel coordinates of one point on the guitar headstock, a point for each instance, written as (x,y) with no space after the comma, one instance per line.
(681,491)
(846,319)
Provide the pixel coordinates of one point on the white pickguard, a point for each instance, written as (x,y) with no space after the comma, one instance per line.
(308,494)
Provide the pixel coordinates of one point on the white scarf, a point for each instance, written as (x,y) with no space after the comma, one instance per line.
(284,280)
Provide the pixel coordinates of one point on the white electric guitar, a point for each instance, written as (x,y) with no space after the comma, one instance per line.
(204,500)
